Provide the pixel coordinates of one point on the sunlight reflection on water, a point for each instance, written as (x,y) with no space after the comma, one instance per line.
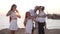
(51,24)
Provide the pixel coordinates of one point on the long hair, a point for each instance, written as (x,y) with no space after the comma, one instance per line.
(11,10)
(26,14)
(13,6)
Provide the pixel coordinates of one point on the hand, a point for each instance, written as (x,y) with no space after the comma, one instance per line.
(9,12)
(45,27)
(17,11)
(18,16)
(25,24)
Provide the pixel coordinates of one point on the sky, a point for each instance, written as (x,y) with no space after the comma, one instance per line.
(51,6)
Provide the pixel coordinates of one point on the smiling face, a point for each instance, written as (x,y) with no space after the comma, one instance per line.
(14,8)
(28,14)
(41,8)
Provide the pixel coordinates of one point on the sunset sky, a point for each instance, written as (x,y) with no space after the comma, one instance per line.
(51,6)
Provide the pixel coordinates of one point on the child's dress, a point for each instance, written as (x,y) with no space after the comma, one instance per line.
(29,26)
(13,23)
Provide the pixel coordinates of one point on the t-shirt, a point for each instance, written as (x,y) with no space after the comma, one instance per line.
(32,12)
(41,19)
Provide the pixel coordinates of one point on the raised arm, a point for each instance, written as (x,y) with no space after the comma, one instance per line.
(18,15)
(9,12)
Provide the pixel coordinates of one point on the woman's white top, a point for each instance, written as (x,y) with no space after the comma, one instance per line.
(13,15)
(41,19)
(29,26)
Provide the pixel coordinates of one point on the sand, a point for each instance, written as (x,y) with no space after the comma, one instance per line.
(22,31)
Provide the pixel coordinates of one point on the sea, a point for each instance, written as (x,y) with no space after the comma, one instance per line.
(50,23)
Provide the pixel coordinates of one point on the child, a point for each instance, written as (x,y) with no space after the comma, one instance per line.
(28,23)
(13,18)
(33,14)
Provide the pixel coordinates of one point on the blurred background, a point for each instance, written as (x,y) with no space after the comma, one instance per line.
(52,9)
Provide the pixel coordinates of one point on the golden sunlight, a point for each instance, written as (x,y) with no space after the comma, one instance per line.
(51,6)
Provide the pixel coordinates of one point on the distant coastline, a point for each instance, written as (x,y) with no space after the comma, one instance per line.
(53,16)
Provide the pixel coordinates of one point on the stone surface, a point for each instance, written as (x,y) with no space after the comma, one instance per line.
(22,31)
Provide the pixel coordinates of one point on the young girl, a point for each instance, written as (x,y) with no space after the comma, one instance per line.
(33,14)
(13,14)
(28,23)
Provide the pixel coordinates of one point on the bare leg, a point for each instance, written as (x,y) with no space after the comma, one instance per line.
(12,32)
(33,30)
(27,33)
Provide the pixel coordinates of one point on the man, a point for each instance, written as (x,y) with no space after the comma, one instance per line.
(33,14)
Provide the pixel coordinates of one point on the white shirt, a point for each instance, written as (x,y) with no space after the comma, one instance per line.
(40,19)
(32,12)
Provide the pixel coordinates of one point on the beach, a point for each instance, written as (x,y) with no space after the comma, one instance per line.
(22,31)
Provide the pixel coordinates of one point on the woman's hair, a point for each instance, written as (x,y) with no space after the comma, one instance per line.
(12,7)
(26,14)
(11,10)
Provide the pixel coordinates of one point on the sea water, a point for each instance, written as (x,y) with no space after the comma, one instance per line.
(50,23)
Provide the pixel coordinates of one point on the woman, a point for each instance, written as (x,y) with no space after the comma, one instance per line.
(13,14)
